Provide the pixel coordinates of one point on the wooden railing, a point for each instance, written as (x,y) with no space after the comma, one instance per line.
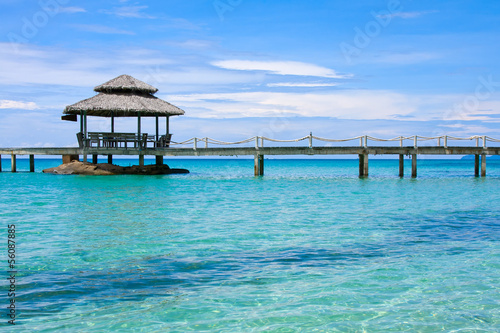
(122,140)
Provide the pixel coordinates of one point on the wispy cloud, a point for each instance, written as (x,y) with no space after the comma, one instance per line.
(404,58)
(280,68)
(407,15)
(342,104)
(102,29)
(302,85)
(71,10)
(7,104)
(129,12)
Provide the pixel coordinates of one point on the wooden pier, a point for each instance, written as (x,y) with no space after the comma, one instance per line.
(259,152)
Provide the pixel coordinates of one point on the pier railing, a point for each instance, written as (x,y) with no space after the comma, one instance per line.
(362,141)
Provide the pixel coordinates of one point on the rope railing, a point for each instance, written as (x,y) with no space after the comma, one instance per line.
(441,141)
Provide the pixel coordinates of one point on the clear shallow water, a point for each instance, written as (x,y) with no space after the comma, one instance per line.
(307,247)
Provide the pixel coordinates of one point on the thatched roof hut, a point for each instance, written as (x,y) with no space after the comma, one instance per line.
(124,96)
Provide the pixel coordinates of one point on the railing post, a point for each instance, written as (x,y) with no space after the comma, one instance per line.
(195,143)
(261,141)
(439,141)
(477,141)
(415,141)
(361,141)
(206,142)
(256,142)
(484,141)
(401,141)
(366,141)
(310,140)
(446,141)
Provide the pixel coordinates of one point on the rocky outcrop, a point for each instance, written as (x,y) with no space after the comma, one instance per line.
(105,169)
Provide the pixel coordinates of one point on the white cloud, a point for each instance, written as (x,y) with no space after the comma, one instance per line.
(280,67)
(358,104)
(7,104)
(404,58)
(102,29)
(407,15)
(302,85)
(71,10)
(129,12)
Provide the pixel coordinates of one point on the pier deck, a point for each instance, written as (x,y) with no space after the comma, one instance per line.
(260,152)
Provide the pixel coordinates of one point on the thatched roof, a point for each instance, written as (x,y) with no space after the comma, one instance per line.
(124,96)
(125,83)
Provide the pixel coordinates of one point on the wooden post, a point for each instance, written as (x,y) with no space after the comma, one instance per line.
(110,159)
(139,141)
(363,165)
(483,165)
(259,165)
(32,163)
(168,125)
(159,160)
(141,160)
(401,165)
(476,165)
(0,163)
(414,166)
(13,163)
(94,159)
(85,158)
(157,130)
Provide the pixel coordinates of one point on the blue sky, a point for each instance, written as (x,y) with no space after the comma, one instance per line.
(241,68)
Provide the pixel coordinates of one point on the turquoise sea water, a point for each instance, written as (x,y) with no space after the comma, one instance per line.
(309,247)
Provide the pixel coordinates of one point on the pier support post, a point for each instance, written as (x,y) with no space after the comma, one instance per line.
(85,158)
(401,165)
(68,158)
(141,160)
(94,158)
(259,165)
(414,166)
(476,165)
(0,163)
(363,165)
(110,159)
(159,160)
(483,165)
(32,163)
(13,163)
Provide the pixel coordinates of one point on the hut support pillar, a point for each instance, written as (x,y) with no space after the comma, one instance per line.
(476,165)
(259,165)
(414,166)
(401,165)
(159,160)
(483,165)
(13,163)
(94,158)
(112,122)
(141,160)
(32,163)
(363,165)
(110,159)
(168,125)
(157,129)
